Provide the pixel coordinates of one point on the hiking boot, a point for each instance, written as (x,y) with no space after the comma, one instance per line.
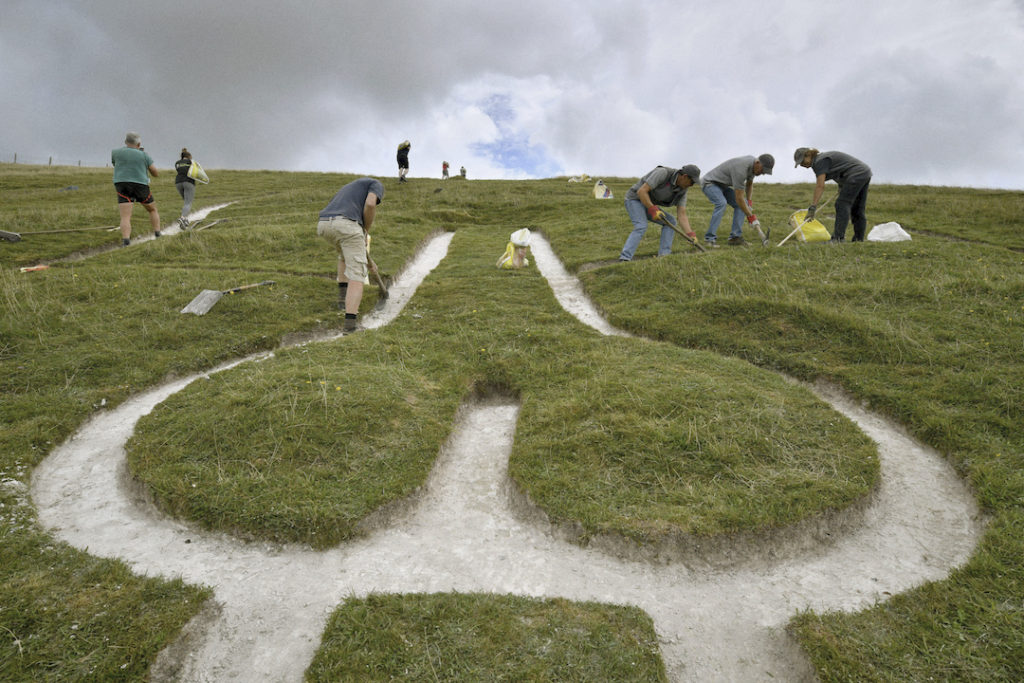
(156,233)
(125,241)
(737,242)
(351,325)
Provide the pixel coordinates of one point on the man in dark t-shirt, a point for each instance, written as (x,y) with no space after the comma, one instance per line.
(853,177)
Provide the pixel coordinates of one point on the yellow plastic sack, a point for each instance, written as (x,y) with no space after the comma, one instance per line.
(516,250)
(811,231)
(196,172)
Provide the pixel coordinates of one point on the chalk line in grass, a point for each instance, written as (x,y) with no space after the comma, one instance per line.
(464,534)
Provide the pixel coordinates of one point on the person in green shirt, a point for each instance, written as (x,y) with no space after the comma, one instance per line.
(132,168)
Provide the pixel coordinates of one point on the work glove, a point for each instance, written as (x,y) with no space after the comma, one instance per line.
(656,214)
(811,210)
(752,219)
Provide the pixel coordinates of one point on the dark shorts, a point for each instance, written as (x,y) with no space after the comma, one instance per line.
(133,192)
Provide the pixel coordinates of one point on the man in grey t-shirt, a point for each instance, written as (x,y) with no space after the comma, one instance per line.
(731,183)
(661,187)
(853,177)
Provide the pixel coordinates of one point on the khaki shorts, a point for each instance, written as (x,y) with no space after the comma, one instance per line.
(349,240)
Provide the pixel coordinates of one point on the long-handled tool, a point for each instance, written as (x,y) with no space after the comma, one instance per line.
(205,300)
(17,236)
(671,223)
(382,298)
(208,225)
(804,222)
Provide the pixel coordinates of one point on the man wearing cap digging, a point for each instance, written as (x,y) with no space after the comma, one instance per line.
(853,177)
(661,187)
(731,183)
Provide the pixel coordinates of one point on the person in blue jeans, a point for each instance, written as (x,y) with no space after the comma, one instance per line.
(661,187)
(731,183)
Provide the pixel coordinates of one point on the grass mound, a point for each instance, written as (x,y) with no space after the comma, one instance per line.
(485,637)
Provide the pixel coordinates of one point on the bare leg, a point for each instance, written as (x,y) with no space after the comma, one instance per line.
(353,297)
(154,215)
(125,210)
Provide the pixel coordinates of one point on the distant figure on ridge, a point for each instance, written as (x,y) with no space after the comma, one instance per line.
(403,160)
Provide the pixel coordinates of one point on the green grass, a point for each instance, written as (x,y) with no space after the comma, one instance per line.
(604,440)
(689,432)
(486,638)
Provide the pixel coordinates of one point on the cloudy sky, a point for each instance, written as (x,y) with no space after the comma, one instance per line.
(923,91)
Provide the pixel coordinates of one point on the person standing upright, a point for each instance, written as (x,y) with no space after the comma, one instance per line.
(731,183)
(345,224)
(663,186)
(132,168)
(185,185)
(403,160)
(853,177)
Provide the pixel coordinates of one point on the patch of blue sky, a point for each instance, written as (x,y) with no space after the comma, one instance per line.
(515,153)
(512,150)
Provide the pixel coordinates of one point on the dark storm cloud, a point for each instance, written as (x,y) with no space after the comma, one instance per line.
(924,91)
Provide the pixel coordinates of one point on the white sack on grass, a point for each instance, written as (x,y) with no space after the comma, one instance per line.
(888,232)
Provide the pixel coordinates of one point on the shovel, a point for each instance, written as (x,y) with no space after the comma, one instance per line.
(671,223)
(205,300)
(382,298)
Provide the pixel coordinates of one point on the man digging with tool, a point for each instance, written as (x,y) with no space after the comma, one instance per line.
(731,183)
(853,177)
(345,224)
(661,187)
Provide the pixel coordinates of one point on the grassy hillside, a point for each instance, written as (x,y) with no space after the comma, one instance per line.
(683,432)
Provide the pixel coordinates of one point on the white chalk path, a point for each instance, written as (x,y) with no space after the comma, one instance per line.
(463,536)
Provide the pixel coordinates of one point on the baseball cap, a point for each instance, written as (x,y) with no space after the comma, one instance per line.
(692,171)
(767,163)
(799,154)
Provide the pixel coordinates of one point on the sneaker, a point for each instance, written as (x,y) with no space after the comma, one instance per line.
(737,242)
(711,244)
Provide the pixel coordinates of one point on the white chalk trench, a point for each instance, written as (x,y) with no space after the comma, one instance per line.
(272,601)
